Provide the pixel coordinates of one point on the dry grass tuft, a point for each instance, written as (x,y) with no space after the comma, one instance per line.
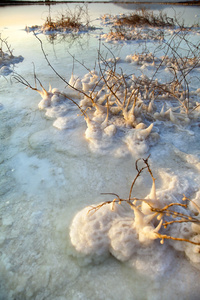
(144,18)
(76,20)
(142,25)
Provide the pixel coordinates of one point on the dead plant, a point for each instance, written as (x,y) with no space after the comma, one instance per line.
(114,93)
(142,17)
(5,48)
(69,20)
(167,215)
(142,25)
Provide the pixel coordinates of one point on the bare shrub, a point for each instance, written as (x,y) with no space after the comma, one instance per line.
(5,48)
(144,18)
(133,98)
(7,58)
(150,217)
(68,21)
(142,25)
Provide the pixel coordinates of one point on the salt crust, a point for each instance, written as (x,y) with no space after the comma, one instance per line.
(95,236)
(133,128)
(129,234)
(134,134)
(130,32)
(6,61)
(100,131)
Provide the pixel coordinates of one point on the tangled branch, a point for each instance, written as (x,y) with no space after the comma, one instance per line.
(163,214)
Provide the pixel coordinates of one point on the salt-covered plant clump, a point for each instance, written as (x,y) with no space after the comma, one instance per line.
(121,108)
(179,59)
(103,120)
(141,17)
(137,26)
(109,103)
(141,25)
(76,21)
(130,228)
(7,58)
(122,34)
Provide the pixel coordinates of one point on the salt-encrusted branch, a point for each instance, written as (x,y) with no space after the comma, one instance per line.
(160,213)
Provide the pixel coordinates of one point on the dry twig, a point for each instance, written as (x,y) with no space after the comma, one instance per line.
(166,211)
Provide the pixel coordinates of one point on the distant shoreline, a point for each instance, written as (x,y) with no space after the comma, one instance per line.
(52,2)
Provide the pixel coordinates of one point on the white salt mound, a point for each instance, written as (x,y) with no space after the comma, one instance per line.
(134,233)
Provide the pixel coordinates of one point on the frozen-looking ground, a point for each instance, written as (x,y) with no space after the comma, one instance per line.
(49,175)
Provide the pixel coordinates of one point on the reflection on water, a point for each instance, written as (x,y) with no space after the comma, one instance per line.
(32,15)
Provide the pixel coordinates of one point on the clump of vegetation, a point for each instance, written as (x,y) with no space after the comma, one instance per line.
(132,97)
(5,49)
(141,25)
(124,33)
(6,57)
(112,101)
(150,208)
(131,228)
(144,18)
(68,21)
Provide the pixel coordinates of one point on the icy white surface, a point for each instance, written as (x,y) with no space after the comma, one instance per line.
(50,172)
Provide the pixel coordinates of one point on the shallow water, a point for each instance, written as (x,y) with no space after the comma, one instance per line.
(48,175)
